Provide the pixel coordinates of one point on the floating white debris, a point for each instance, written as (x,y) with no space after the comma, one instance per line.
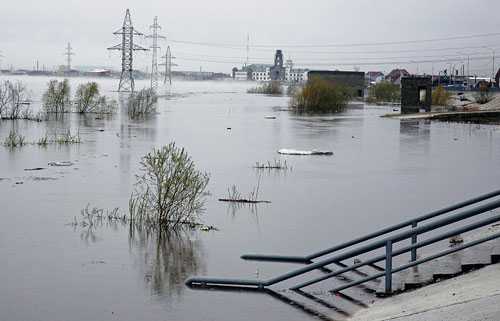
(63,163)
(285,151)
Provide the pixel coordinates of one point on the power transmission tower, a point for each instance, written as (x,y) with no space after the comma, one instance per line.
(127,47)
(68,55)
(168,65)
(154,63)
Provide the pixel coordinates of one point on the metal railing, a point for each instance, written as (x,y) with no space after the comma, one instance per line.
(386,244)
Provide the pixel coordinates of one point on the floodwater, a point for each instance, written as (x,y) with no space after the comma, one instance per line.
(382,171)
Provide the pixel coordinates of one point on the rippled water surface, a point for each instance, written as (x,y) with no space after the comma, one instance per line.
(382,171)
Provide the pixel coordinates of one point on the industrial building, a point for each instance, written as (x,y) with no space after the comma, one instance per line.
(351,79)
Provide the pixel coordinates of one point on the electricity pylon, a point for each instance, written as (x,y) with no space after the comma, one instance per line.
(154,63)
(127,47)
(68,55)
(168,65)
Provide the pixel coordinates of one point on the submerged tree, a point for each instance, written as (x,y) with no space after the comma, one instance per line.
(142,103)
(57,97)
(89,100)
(169,192)
(14,101)
(320,95)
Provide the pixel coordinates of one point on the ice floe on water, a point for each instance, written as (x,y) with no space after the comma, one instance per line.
(287,151)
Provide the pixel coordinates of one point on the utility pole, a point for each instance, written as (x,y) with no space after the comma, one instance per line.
(68,55)
(127,47)
(154,63)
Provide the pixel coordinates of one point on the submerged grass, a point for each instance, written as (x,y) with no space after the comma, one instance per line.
(235,196)
(14,139)
(68,138)
(276,164)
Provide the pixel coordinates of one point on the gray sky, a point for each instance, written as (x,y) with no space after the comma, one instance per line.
(35,29)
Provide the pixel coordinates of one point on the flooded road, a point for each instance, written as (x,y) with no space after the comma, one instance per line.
(382,171)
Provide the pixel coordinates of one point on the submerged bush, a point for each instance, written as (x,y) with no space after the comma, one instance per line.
(440,96)
(67,138)
(14,101)
(14,139)
(384,91)
(89,100)
(169,192)
(142,103)
(56,98)
(319,95)
(270,88)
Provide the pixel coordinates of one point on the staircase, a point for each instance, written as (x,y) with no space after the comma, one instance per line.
(336,282)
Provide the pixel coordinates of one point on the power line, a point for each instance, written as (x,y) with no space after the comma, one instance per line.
(333,63)
(366,44)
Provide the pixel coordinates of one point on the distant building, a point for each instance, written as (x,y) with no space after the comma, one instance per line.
(241,75)
(296,75)
(374,77)
(395,75)
(351,79)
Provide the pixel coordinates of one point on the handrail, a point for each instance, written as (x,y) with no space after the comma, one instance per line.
(387,243)
(413,222)
(403,250)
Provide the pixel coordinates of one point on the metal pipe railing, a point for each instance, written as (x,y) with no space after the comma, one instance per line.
(370,247)
(403,250)
(415,263)
(413,223)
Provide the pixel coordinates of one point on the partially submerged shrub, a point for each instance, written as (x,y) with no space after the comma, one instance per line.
(43,141)
(483,95)
(89,100)
(14,139)
(56,98)
(440,96)
(270,88)
(142,103)
(384,91)
(14,101)
(319,95)
(68,138)
(169,192)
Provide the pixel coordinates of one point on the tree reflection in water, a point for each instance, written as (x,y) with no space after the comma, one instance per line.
(166,258)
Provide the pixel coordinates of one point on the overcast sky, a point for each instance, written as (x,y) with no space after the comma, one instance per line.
(39,30)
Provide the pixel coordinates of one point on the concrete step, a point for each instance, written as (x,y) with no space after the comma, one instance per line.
(419,276)
(446,267)
(476,257)
(495,254)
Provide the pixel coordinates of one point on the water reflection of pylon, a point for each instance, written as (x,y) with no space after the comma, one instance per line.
(127,47)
